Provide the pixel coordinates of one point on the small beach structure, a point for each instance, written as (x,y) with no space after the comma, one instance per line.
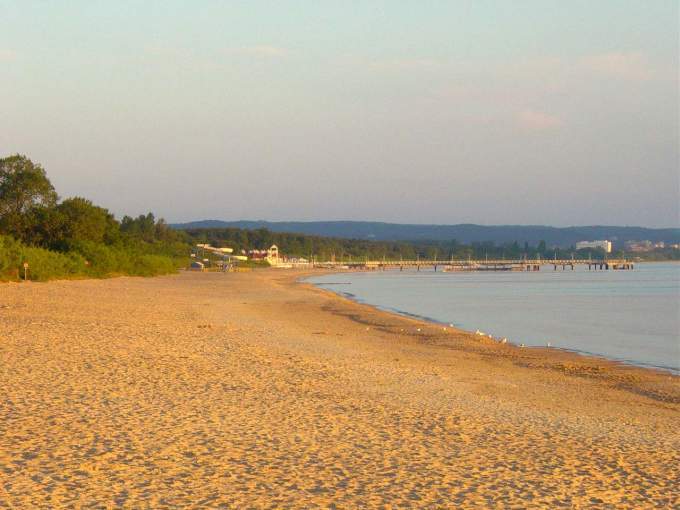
(273,255)
(214,257)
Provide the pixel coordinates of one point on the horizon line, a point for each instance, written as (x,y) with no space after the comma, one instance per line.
(524,225)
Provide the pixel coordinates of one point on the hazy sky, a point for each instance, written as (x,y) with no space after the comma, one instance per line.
(524,112)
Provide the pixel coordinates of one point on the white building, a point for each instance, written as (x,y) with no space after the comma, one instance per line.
(273,255)
(602,245)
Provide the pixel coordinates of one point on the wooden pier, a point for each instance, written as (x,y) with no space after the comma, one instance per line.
(482,265)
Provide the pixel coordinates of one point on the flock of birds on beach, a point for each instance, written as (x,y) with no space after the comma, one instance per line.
(502,340)
(478,333)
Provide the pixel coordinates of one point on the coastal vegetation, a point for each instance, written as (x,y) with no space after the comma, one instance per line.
(71,238)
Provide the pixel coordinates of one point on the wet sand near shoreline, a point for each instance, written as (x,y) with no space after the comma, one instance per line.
(249,390)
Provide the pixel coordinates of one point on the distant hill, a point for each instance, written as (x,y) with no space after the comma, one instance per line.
(463,233)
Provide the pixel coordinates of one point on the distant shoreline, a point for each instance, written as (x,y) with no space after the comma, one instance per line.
(586,356)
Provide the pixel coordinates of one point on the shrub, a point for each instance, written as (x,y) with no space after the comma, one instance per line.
(86,259)
(42,264)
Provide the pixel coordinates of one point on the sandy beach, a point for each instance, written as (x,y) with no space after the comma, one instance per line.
(250,390)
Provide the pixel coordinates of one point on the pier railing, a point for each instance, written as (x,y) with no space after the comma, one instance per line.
(482,265)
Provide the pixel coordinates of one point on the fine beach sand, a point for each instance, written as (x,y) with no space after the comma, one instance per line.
(249,390)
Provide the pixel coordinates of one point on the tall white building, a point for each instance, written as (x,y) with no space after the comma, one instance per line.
(603,245)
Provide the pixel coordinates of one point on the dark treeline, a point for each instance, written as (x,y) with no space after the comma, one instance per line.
(464,233)
(74,237)
(326,248)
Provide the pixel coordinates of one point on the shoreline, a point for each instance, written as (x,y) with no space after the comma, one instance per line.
(429,320)
(233,390)
(566,361)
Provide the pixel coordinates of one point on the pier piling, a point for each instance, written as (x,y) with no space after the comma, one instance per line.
(487,265)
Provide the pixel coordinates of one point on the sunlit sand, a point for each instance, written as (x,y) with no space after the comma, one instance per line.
(253,391)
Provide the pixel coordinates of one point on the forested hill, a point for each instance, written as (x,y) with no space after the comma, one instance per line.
(463,233)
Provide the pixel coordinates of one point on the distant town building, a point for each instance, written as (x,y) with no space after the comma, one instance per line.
(257,254)
(271,255)
(641,246)
(601,245)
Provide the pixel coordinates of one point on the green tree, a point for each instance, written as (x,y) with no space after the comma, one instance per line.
(84,221)
(142,227)
(24,187)
(46,227)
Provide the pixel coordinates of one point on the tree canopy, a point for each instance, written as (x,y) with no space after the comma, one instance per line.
(75,236)
(81,220)
(24,188)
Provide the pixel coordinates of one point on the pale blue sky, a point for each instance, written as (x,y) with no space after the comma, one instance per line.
(557,112)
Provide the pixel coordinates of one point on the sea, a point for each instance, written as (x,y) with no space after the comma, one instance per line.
(630,316)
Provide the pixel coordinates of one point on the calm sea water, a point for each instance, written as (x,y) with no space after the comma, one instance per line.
(630,316)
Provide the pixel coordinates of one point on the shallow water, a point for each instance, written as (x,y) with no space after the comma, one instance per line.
(630,316)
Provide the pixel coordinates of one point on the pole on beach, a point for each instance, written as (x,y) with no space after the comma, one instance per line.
(25,271)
